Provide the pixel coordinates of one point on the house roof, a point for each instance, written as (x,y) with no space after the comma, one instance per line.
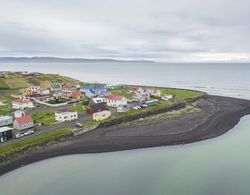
(114,97)
(97,106)
(24,119)
(3,129)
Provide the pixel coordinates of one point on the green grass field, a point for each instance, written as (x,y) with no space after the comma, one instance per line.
(44,81)
(29,142)
(47,118)
(78,108)
(181,94)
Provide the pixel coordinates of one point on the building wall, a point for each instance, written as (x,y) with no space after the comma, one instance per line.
(4,136)
(22,105)
(61,117)
(116,103)
(4,122)
(23,126)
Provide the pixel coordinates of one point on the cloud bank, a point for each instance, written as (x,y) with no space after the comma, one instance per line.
(160,30)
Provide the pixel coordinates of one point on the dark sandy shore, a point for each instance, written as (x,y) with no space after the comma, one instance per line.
(217,116)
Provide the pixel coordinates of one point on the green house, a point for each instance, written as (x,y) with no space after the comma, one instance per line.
(5,133)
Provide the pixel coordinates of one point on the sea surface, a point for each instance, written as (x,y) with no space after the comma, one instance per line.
(220,166)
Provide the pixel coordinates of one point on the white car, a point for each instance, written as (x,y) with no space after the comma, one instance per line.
(137,107)
(144,106)
(29,132)
(19,135)
(79,125)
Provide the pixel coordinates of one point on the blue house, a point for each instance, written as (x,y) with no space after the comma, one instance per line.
(92,91)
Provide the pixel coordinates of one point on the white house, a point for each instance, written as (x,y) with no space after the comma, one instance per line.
(116,100)
(167,97)
(24,122)
(19,113)
(6,120)
(66,116)
(21,104)
(122,109)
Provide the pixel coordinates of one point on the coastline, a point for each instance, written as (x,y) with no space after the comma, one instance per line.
(220,114)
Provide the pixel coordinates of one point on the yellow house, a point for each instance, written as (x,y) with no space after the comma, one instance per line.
(99,116)
(26,92)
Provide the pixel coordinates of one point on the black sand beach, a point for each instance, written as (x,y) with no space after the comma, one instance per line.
(217,116)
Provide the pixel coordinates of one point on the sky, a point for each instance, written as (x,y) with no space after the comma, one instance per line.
(159,30)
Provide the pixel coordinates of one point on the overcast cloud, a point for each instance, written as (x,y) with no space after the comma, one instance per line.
(161,30)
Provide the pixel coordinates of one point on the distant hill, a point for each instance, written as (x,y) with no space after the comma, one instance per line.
(44,81)
(58,60)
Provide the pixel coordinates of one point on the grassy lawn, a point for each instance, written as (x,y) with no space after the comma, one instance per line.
(5,110)
(132,112)
(181,94)
(29,142)
(44,81)
(78,108)
(47,118)
(122,92)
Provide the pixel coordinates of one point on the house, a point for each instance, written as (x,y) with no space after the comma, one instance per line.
(56,87)
(5,133)
(93,108)
(138,97)
(25,92)
(167,97)
(92,91)
(22,104)
(99,116)
(57,94)
(136,90)
(69,86)
(24,122)
(66,116)
(34,89)
(67,93)
(19,113)
(77,95)
(154,92)
(116,100)
(43,92)
(6,120)
(122,109)
(98,100)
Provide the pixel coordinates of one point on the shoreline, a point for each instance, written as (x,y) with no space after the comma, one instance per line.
(218,116)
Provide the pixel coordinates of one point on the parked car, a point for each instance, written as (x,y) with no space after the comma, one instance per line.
(79,125)
(19,135)
(137,107)
(29,132)
(144,106)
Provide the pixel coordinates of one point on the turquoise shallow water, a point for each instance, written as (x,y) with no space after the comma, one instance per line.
(217,166)
(214,167)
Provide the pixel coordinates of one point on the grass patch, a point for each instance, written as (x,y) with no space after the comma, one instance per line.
(29,142)
(46,118)
(181,94)
(132,112)
(44,81)
(122,92)
(78,108)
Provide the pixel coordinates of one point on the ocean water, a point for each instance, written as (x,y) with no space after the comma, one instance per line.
(220,166)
